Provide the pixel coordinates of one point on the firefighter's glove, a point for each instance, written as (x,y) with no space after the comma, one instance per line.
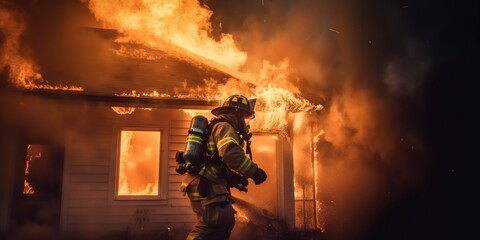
(259,176)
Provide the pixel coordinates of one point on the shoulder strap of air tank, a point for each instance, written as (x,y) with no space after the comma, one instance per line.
(210,126)
(211,157)
(215,121)
(214,157)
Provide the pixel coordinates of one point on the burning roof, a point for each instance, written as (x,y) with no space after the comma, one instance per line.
(146,50)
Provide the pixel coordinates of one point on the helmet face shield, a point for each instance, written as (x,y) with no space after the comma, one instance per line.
(237,104)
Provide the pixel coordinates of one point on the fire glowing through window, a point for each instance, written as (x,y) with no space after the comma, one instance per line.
(139,163)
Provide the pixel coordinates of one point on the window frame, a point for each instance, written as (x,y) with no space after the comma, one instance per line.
(162,196)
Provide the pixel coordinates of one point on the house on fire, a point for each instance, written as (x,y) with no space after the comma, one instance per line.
(96,163)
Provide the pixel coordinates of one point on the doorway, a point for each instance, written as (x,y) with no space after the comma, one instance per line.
(38,185)
(264,196)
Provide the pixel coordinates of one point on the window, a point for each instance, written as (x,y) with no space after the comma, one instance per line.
(138,164)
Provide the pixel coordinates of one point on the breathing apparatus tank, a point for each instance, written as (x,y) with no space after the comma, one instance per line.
(194,147)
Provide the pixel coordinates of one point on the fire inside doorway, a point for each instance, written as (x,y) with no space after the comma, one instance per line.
(37,200)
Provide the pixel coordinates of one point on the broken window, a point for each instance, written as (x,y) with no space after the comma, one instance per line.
(138,163)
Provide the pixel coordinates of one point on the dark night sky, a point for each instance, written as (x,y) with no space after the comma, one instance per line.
(418,59)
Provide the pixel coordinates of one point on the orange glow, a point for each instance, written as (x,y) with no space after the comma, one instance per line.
(265,195)
(306,170)
(240,216)
(135,93)
(123,110)
(127,110)
(27,189)
(298,193)
(139,165)
(194,112)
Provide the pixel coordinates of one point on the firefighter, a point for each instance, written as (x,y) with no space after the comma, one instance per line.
(227,166)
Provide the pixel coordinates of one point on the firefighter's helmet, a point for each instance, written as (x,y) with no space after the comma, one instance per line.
(237,104)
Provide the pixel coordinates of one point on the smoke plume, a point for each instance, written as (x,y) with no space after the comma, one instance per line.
(371,64)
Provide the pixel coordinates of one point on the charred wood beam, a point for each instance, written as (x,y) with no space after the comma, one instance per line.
(79,97)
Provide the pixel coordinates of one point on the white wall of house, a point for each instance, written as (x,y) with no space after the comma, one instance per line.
(88,202)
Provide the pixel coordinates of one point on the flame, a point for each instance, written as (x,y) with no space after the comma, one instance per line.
(240,216)
(128,110)
(183,29)
(298,192)
(135,93)
(316,169)
(22,71)
(194,112)
(27,189)
(276,96)
(172,26)
(123,110)
(139,163)
(31,156)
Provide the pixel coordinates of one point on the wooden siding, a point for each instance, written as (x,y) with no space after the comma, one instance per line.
(88,204)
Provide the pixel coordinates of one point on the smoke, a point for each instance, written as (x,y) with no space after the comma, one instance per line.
(405,74)
(56,43)
(368,66)
(22,71)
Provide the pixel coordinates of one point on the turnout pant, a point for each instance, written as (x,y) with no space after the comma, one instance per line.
(215,221)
